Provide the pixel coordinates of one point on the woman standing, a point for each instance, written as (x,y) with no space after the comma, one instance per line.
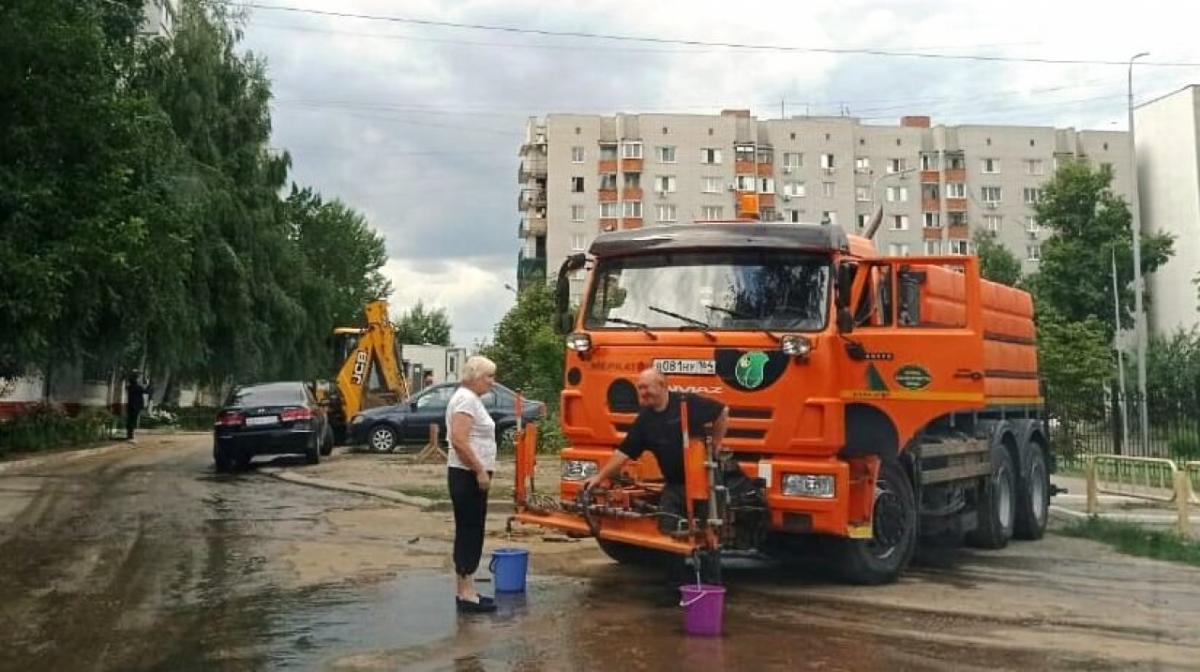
(472,460)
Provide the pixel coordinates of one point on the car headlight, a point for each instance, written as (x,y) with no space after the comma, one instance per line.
(808,485)
(577,470)
(795,345)
(358,420)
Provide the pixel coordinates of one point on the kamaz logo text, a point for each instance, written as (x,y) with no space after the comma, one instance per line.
(697,389)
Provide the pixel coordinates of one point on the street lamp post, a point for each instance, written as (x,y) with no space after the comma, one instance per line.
(1139,316)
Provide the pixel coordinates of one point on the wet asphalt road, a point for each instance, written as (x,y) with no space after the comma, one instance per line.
(147,560)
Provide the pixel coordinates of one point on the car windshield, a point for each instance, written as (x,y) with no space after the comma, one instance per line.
(277,394)
(711,290)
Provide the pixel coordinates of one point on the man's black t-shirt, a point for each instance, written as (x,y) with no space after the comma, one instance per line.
(661,433)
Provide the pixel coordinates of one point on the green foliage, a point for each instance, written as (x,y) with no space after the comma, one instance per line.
(1075,363)
(1173,365)
(528,353)
(1090,224)
(996,263)
(424,325)
(1185,448)
(1135,539)
(46,427)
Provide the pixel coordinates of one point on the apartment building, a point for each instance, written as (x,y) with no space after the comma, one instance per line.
(584,174)
(1168,157)
(160,17)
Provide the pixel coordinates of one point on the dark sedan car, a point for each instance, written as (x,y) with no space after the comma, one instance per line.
(270,419)
(385,427)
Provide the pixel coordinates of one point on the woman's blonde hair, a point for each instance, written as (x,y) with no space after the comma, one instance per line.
(477,367)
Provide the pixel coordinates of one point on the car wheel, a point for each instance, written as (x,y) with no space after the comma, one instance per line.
(327,442)
(381,439)
(223,461)
(313,454)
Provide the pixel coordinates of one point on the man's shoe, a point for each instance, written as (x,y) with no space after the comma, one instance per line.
(485,605)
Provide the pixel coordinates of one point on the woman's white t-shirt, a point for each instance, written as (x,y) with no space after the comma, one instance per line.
(482,438)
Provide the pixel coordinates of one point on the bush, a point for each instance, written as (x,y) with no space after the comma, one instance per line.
(193,418)
(158,417)
(550,436)
(45,427)
(1185,448)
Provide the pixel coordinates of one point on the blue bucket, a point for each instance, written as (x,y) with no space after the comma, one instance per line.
(509,566)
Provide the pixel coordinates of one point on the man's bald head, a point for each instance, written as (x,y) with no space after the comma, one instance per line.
(652,389)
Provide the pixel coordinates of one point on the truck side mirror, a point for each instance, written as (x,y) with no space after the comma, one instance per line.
(564,321)
(845,282)
(845,321)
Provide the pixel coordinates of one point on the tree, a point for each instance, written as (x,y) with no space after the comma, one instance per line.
(1090,224)
(996,263)
(424,325)
(1075,361)
(527,351)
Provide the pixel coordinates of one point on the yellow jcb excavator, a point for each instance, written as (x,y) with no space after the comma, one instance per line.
(369,373)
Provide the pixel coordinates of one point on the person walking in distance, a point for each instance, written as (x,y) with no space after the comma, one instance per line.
(471,462)
(135,401)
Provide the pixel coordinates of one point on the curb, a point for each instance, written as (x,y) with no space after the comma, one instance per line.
(65,456)
(423,503)
(1147,518)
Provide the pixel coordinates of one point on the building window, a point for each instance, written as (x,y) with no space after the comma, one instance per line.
(862,194)
(897,249)
(631,150)
(861,220)
(1033,196)
(792,216)
(862,165)
(897,194)
(1034,167)
(609,210)
(896,165)
(828,189)
(768,215)
(956,190)
(962,247)
(933,247)
(990,166)
(608,152)
(608,181)
(712,212)
(827,162)
(991,222)
(766,155)
(989,194)
(929,162)
(899,222)
(1106,166)
(633,208)
(666,154)
(712,185)
(633,180)
(577,213)
(766,185)
(793,160)
(1031,224)
(577,185)
(744,153)
(955,162)
(666,213)
(795,189)
(710,156)
(577,155)
(956,218)
(829,217)
(746,183)
(1033,252)
(932,220)
(577,242)
(664,184)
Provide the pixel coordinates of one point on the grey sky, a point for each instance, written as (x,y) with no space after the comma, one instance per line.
(419,127)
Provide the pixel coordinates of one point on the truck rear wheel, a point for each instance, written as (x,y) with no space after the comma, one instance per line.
(1033,498)
(997,504)
(894,532)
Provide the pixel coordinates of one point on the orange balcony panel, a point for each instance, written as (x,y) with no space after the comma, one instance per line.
(631,194)
(744,167)
(931,205)
(956,174)
(929,177)
(766,200)
(631,165)
(956,204)
(608,195)
(608,224)
(747,204)
(631,223)
(766,169)
(958,231)
(931,234)
(609,166)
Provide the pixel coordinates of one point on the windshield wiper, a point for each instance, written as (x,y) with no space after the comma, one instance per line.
(704,326)
(639,325)
(742,316)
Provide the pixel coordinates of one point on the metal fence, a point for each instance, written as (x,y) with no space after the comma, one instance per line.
(1110,424)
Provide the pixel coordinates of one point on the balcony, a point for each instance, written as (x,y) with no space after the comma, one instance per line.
(931,205)
(606,166)
(631,194)
(608,224)
(631,165)
(607,195)
(929,177)
(531,198)
(533,165)
(631,223)
(747,204)
(956,205)
(766,169)
(931,233)
(956,174)
(744,167)
(530,270)
(959,231)
(533,226)
(766,200)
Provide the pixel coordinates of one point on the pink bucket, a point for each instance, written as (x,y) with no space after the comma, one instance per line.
(703,605)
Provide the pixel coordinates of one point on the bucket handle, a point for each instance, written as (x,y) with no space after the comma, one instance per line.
(699,596)
(492,564)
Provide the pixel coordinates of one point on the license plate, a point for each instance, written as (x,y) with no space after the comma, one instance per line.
(686,367)
(264,420)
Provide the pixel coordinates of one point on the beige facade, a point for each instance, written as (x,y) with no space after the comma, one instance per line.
(583,174)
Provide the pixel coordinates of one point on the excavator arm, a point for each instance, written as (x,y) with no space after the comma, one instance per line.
(370,374)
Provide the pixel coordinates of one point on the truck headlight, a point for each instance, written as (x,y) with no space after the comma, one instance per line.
(577,470)
(808,485)
(580,343)
(795,345)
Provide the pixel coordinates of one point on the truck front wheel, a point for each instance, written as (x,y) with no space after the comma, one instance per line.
(894,532)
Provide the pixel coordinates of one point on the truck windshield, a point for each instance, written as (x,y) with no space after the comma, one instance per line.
(719,290)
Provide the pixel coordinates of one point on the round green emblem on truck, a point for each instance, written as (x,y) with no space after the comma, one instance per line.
(749,370)
(913,377)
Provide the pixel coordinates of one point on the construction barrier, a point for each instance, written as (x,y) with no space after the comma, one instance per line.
(1151,479)
(1192,469)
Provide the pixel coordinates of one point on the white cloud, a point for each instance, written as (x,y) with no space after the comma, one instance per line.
(472,291)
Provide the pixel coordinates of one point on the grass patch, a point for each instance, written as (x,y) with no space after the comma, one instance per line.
(1134,539)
